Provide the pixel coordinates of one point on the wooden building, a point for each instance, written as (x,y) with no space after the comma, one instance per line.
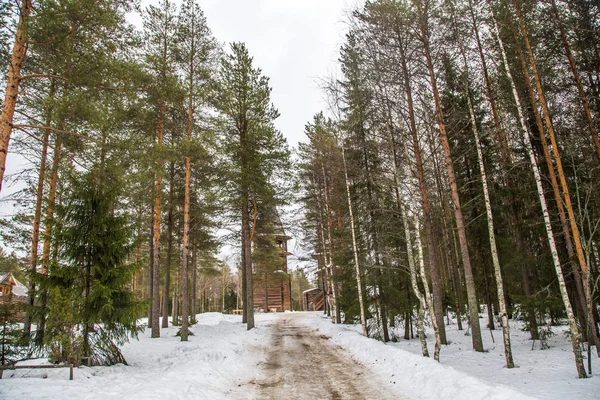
(313,299)
(11,289)
(272,283)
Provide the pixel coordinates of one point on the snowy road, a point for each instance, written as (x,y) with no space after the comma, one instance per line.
(301,363)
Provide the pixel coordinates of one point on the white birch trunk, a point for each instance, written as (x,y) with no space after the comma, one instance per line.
(414,283)
(428,297)
(331,266)
(423,275)
(363,320)
(490,220)
(574,330)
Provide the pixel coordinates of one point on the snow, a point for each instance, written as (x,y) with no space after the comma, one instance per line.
(220,356)
(223,360)
(466,374)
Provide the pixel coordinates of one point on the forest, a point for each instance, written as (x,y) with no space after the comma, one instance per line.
(454,172)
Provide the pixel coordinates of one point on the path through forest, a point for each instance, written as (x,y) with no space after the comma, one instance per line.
(302,363)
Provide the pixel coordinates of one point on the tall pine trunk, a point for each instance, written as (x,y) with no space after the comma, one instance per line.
(186,222)
(13,80)
(574,330)
(35,237)
(462,233)
(170,222)
(433,267)
(247,255)
(157,226)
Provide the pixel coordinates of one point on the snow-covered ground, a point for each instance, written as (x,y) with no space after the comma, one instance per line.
(466,374)
(220,356)
(223,360)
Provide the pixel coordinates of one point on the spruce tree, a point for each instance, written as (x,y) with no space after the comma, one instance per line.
(93,271)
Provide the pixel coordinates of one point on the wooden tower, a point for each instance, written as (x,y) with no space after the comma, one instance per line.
(273,284)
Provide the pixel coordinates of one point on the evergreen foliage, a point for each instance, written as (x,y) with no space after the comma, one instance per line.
(12,348)
(92,272)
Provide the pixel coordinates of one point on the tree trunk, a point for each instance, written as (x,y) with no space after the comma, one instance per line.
(415,286)
(332,269)
(35,237)
(175,310)
(244,280)
(462,234)
(433,268)
(51,201)
(157,223)
(542,199)
(186,240)
(249,297)
(361,303)
(492,237)
(428,299)
(584,100)
(170,222)
(194,279)
(150,264)
(13,80)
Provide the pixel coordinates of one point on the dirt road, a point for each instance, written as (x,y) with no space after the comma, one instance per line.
(303,364)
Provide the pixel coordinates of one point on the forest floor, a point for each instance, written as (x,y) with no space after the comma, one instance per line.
(303,356)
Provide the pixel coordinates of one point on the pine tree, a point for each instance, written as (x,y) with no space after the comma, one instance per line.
(256,151)
(197,52)
(161,34)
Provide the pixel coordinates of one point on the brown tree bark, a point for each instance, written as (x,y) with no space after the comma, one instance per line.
(35,237)
(247,256)
(150,263)
(170,223)
(186,220)
(574,330)
(51,201)
(462,234)
(13,80)
(584,99)
(433,267)
(566,196)
(157,222)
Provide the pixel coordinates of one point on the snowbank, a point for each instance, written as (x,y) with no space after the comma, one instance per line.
(464,373)
(218,358)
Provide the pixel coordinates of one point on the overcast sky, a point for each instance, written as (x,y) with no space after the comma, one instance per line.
(294,42)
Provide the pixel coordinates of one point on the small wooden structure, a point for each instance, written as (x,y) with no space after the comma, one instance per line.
(272,286)
(11,289)
(13,366)
(313,299)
